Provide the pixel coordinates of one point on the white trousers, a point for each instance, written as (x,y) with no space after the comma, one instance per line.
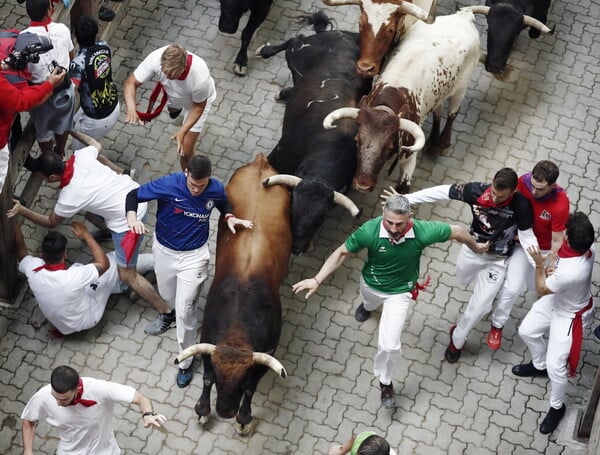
(4,159)
(541,319)
(520,276)
(96,128)
(109,284)
(393,317)
(487,273)
(179,276)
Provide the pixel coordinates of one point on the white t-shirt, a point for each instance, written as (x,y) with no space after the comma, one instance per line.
(571,284)
(66,297)
(83,430)
(197,87)
(98,189)
(60,36)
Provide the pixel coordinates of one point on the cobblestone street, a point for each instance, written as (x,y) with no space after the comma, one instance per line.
(548,109)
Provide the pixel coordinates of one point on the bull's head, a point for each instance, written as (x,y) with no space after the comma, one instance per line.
(231,366)
(504,25)
(311,201)
(231,13)
(378,139)
(380,24)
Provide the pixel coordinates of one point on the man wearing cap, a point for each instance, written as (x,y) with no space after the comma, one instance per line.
(187,85)
(82,409)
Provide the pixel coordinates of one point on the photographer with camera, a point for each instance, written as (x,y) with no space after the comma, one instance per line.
(53,118)
(20,98)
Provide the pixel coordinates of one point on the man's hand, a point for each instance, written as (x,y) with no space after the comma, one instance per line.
(178,136)
(310,284)
(481,248)
(131,116)
(57,76)
(232,221)
(138,227)
(537,256)
(16,209)
(79,230)
(154,420)
(337,450)
(386,194)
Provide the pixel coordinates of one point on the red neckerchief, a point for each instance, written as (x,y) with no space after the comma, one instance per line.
(566,251)
(186,71)
(52,267)
(485,200)
(67,174)
(44,23)
(79,400)
(414,293)
(150,114)
(407,228)
(577,334)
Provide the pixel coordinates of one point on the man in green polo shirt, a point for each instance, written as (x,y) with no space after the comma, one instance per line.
(389,276)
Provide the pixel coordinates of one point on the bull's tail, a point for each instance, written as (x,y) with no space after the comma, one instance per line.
(319,20)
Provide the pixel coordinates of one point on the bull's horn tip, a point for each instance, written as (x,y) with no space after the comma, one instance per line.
(359,213)
(176,361)
(265,182)
(283,373)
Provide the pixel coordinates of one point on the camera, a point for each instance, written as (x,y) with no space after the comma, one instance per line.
(28,48)
(54,64)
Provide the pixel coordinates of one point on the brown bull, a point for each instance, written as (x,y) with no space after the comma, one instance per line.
(381,23)
(242,318)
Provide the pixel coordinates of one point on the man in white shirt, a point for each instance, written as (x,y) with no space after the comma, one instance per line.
(54,117)
(187,83)
(72,298)
(88,185)
(82,409)
(564,309)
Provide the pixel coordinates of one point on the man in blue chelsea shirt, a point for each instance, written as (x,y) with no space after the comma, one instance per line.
(180,247)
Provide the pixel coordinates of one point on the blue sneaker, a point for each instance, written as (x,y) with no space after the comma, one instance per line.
(597,332)
(185,375)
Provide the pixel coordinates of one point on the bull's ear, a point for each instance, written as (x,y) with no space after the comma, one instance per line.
(363,101)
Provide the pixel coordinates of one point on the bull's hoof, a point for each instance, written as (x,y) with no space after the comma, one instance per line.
(201,410)
(240,70)
(243,429)
(402,188)
(202,420)
(259,51)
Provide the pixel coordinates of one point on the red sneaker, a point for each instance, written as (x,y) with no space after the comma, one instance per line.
(494,338)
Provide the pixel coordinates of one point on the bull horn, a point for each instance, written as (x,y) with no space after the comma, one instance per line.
(267,360)
(477,9)
(415,131)
(344,201)
(341,2)
(342,112)
(201,348)
(532,22)
(413,10)
(282,179)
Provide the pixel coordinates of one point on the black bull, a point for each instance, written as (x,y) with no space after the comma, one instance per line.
(322,67)
(231,13)
(242,317)
(506,19)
